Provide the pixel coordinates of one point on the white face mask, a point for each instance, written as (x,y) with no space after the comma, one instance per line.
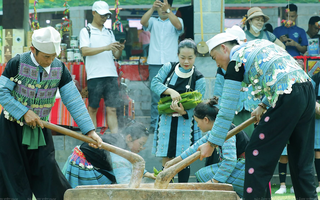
(255,29)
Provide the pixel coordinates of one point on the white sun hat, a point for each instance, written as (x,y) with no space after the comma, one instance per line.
(47,40)
(220,39)
(101,7)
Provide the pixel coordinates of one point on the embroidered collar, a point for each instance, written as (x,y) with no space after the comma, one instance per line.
(37,64)
(183,74)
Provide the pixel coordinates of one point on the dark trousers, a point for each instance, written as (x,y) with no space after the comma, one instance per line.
(23,171)
(291,120)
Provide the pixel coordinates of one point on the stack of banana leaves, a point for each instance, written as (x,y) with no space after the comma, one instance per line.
(188,99)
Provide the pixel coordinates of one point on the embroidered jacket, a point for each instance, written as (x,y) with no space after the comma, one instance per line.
(185,127)
(270,70)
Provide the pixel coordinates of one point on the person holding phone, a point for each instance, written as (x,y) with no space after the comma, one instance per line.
(293,37)
(99,46)
(165,31)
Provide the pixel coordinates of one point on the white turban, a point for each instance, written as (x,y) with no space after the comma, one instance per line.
(47,40)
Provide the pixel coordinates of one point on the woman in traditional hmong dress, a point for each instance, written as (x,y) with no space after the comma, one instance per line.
(176,132)
(230,168)
(89,166)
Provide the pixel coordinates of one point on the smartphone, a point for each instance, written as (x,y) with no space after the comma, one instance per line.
(122,40)
(161,1)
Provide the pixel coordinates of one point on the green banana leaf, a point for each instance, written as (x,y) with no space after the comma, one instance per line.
(189,100)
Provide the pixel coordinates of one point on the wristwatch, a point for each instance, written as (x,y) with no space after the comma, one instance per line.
(168,10)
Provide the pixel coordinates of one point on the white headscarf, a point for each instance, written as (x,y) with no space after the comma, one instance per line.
(47,40)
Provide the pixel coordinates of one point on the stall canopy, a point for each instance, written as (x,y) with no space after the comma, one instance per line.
(43,4)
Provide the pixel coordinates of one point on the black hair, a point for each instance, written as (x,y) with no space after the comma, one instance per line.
(292,7)
(189,43)
(135,129)
(232,42)
(313,20)
(268,27)
(207,109)
(37,51)
(170,2)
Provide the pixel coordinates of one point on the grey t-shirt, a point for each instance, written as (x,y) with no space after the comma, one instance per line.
(263,35)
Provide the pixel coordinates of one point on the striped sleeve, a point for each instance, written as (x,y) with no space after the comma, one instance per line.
(229,102)
(229,160)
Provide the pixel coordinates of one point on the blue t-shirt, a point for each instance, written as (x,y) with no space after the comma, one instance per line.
(295,33)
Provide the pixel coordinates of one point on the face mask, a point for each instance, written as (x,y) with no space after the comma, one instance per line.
(255,29)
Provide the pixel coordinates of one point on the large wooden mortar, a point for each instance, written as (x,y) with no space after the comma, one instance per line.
(175,191)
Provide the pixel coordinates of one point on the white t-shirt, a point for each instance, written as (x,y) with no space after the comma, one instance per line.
(102,64)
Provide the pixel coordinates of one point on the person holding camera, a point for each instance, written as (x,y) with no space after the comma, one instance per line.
(165,31)
(98,45)
(293,37)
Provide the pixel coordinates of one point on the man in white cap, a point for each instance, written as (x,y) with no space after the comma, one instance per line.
(247,103)
(28,87)
(98,45)
(288,104)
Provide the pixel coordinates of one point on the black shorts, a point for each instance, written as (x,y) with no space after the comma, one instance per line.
(106,88)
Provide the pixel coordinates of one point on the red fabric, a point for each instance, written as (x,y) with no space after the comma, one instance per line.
(135,73)
(305,61)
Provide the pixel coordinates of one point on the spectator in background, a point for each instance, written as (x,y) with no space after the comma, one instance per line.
(186,14)
(292,36)
(255,22)
(165,31)
(144,38)
(100,47)
(268,27)
(313,29)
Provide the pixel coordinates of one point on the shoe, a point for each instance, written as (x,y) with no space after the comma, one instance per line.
(291,190)
(318,189)
(282,190)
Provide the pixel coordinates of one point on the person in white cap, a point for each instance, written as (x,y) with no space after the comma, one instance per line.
(237,31)
(247,103)
(28,87)
(255,22)
(287,112)
(99,46)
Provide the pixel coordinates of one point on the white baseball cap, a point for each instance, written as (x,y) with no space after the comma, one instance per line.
(220,39)
(47,40)
(101,7)
(237,31)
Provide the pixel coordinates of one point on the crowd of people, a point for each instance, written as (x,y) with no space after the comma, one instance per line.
(256,76)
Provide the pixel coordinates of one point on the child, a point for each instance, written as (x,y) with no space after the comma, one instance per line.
(89,166)
(231,167)
(176,132)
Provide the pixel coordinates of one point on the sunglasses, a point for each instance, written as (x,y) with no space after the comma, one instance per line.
(108,16)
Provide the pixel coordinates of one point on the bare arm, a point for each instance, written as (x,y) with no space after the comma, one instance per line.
(279,43)
(175,21)
(145,18)
(91,51)
(117,53)
(301,49)
(173,18)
